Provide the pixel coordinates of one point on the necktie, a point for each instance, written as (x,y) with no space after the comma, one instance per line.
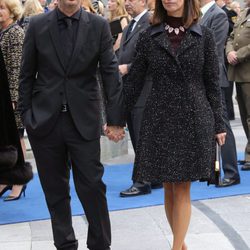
(131,24)
(69,39)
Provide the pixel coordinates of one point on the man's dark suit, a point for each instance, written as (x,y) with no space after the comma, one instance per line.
(126,55)
(54,135)
(216,19)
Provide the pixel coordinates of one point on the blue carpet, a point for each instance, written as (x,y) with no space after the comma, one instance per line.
(117,178)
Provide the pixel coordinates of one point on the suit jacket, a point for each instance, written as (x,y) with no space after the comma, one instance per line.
(239,41)
(216,19)
(44,76)
(127,53)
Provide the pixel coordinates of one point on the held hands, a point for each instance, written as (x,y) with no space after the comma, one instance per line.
(114,133)
(123,69)
(232,58)
(221,138)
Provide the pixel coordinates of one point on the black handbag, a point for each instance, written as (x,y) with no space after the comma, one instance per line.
(8,157)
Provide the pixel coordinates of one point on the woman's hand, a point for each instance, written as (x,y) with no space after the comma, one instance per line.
(221,138)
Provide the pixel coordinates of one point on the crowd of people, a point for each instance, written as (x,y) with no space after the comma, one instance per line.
(166,69)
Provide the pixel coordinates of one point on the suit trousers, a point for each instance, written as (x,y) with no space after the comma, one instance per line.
(228,150)
(243,98)
(55,154)
(134,120)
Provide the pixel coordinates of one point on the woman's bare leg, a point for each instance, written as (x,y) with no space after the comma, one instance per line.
(169,204)
(181,214)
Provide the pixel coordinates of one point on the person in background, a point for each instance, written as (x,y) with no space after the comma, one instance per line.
(31,8)
(235,6)
(117,11)
(53,4)
(13,168)
(99,7)
(216,19)
(137,9)
(238,54)
(44,5)
(183,113)
(11,42)
(87,5)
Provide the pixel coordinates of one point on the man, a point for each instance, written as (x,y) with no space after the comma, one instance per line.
(232,16)
(137,9)
(216,19)
(238,56)
(60,107)
(44,5)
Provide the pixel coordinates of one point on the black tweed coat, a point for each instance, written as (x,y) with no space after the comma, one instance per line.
(183,111)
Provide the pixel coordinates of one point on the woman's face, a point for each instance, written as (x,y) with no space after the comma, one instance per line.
(4,14)
(173,7)
(112,5)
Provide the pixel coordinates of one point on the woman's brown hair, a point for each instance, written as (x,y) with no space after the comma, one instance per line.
(191,12)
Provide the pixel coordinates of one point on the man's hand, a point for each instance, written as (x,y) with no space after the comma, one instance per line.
(221,138)
(114,133)
(123,69)
(232,58)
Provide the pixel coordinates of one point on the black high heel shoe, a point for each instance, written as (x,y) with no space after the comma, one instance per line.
(5,190)
(14,198)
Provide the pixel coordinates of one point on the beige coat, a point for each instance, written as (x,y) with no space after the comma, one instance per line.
(239,41)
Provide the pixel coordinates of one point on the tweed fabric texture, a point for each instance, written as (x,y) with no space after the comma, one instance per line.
(11,42)
(183,111)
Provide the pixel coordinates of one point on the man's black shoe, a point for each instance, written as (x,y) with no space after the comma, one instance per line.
(156,185)
(135,191)
(228,182)
(246,166)
(241,162)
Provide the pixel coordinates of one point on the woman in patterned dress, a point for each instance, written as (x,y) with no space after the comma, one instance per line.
(11,42)
(183,114)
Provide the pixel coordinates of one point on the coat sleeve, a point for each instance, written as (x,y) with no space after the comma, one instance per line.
(220,28)
(134,82)
(28,69)
(211,81)
(13,63)
(110,76)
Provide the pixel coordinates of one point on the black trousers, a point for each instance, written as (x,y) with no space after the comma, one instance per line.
(228,150)
(243,98)
(52,158)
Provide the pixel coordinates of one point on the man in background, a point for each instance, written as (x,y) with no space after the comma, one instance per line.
(216,19)
(238,56)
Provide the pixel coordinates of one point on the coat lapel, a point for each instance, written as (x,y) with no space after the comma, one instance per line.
(81,38)
(55,37)
(187,42)
(161,38)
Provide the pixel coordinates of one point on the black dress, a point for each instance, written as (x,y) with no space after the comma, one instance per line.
(19,172)
(183,111)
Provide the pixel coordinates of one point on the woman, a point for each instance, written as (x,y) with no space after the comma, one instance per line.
(14,170)
(11,42)
(117,11)
(31,8)
(87,5)
(182,116)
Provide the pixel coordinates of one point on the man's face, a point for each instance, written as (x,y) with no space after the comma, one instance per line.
(247,3)
(134,7)
(43,2)
(69,3)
